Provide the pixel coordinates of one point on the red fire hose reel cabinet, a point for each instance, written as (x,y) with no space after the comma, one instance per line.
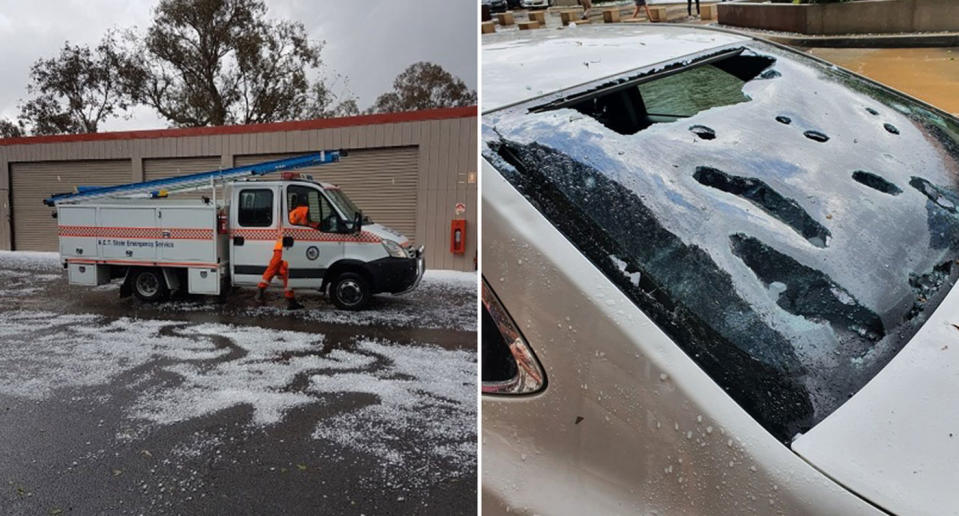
(458,236)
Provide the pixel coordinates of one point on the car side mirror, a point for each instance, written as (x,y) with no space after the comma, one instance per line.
(358,222)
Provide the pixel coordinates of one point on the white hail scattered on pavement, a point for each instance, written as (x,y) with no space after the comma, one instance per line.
(424,405)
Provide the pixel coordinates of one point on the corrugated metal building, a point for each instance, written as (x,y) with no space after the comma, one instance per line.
(406,170)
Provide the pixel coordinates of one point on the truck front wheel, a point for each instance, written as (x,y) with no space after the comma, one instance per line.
(149,285)
(350,291)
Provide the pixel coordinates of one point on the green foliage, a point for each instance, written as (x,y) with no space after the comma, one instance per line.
(75,91)
(424,86)
(9,129)
(201,62)
(215,62)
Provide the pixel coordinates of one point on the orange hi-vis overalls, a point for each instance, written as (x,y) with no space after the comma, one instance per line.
(298,216)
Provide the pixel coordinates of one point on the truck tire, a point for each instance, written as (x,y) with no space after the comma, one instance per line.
(350,291)
(149,285)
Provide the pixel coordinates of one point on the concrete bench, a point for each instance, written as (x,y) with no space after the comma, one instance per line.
(488,27)
(572,15)
(505,18)
(658,14)
(709,11)
(611,15)
(527,25)
(635,20)
(538,16)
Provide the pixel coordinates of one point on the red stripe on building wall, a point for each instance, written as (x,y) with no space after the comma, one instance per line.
(300,125)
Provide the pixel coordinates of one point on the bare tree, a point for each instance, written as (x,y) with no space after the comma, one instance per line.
(424,85)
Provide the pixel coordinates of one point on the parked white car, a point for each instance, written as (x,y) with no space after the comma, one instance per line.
(540,4)
(718,280)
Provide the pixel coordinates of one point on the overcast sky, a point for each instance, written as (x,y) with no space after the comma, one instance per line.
(369,41)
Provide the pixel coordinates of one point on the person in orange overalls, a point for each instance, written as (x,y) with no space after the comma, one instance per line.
(299,216)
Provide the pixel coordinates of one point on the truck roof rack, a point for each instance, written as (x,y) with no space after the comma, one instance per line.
(159,187)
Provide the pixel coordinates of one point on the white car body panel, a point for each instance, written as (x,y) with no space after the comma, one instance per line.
(658,436)
(896,441)
(519,67)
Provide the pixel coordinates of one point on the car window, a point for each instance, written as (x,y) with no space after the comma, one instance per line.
(256,208)
(790,244)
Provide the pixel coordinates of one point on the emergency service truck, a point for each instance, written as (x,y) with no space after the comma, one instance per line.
(159,244)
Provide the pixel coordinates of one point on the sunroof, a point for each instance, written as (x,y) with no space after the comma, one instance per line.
(668,96)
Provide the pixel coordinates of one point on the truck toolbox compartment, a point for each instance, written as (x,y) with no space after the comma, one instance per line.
(127,233)
(203,280)
(88,274)
(75,225)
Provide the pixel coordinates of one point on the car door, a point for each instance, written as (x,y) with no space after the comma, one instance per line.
(313,250)
(254,227)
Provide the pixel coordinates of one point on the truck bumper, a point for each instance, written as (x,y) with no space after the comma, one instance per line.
(398,275)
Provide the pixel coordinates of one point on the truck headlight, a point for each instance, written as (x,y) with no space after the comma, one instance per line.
(394,249)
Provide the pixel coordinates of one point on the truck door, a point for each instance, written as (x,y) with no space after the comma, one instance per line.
(316,244)
(255,226)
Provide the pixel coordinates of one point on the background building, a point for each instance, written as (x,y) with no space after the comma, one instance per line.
(405,170)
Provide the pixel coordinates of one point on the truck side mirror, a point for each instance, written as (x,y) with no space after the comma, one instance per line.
(328,225)
(358,222)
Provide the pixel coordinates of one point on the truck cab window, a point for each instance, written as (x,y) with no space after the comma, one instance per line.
(256,208)
(320,213)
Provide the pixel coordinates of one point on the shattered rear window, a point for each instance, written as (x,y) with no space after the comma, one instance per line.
(790,243)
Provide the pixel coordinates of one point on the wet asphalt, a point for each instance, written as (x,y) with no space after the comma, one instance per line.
(76,451)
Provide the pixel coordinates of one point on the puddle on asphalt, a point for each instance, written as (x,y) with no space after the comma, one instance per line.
(930,74)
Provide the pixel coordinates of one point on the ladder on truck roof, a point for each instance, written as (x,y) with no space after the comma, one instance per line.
(160,187)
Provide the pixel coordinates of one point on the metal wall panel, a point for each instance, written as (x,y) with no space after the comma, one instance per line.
(438,156)
(382,182)
(160,168)
(33,227)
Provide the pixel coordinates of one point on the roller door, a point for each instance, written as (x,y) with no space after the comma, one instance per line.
(382,182)
(33,227)
(172,167)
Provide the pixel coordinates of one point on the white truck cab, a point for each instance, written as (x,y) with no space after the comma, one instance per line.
(339,248)
(161,243)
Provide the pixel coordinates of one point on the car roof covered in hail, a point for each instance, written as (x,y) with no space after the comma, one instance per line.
(519,66)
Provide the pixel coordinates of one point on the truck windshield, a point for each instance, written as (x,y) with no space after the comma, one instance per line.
(345,205)
(791,244)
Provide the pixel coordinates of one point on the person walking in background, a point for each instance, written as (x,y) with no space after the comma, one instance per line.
(636,10)
(689,7)
(587,5)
